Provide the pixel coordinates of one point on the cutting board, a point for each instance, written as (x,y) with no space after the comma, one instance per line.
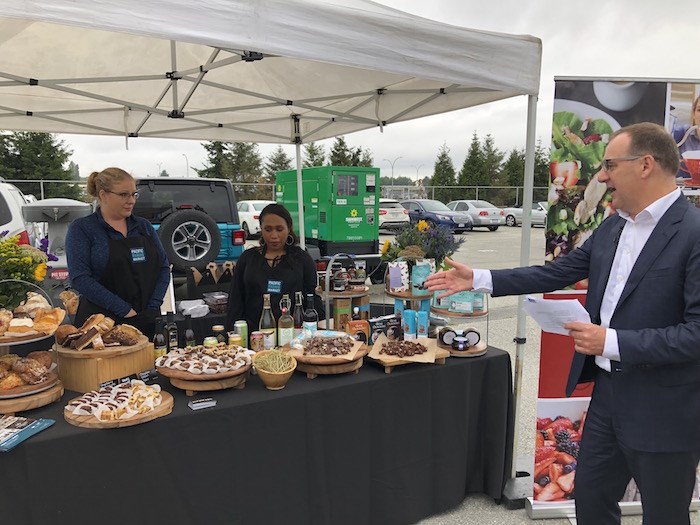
(28,402)
(161,410)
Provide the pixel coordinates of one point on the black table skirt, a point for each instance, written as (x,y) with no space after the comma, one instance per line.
(347,449)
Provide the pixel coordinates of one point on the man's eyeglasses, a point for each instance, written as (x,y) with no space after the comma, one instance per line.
(125,194)
(609,164)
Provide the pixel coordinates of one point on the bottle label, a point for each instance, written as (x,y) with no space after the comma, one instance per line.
(286,336)
(269,340)
(160,351)
(310,327)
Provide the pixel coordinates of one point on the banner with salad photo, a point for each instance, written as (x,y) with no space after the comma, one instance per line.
(585,113)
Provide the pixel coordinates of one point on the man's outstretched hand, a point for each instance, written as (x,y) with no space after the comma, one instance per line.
(457,279)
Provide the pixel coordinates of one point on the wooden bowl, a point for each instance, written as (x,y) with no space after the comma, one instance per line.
(274,380)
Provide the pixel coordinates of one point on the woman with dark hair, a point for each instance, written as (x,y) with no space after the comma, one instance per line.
(278,266)
(688,137)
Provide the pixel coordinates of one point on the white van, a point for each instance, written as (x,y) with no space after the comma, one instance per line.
(11,220)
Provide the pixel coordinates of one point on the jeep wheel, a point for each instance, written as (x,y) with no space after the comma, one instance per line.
(246,230)
(190,238)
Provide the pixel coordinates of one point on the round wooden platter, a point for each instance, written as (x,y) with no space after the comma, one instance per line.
(21,340)
(408,295)
(190,387)
(477,350)
(348,293)
(440,355)
(190,377)
(457,315)
(28,402)
(25,390)
(110,351)
(314,366)
(165,407)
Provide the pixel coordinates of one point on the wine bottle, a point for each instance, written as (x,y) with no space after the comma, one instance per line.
(189,332)
(160,345)
(267,324)
(310,316)
(171,335)
(298,314)
(285,324)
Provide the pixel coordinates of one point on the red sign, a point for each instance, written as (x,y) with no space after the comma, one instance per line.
(59,275)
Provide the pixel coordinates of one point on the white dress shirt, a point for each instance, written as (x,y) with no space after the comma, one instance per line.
(635,234)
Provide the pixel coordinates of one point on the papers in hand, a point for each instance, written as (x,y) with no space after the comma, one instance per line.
(552,314)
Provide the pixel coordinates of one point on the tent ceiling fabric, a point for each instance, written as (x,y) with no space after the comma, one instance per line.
(106,67)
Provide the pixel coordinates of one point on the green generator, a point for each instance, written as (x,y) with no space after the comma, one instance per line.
(341,207)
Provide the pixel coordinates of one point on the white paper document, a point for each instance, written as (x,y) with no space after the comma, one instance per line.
(552,314)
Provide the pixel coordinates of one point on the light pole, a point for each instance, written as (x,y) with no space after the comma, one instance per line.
(392,173)
(187,173)
(159,170)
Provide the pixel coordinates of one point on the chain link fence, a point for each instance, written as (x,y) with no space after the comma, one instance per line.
(499,195)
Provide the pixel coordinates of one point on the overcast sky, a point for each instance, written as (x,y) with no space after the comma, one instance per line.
(613,38)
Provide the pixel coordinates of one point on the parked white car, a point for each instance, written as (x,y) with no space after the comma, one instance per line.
(249,216)
(392,216)
(11,219)
(514,216)
(483,213)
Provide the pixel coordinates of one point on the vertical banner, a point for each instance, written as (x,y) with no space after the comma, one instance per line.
(586,113)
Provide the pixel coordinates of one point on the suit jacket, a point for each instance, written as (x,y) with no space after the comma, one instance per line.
(656,384)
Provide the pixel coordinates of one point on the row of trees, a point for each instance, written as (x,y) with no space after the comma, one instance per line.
(26,155)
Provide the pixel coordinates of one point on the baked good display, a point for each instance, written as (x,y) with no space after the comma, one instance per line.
(204,362)
(34,303)
(123,334)
(333,346)
(123,401)
(33,370)
(97,332)
(63,333)
(20,327)
(33,318)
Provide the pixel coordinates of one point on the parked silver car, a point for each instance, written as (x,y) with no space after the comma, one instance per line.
(514,216)
(483,213)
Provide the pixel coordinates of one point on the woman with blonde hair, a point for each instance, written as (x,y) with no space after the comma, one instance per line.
(115,260)
(688,137)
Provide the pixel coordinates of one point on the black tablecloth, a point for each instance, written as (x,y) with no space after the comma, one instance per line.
(365,448)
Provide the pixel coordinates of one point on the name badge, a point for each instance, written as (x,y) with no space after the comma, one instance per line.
(274,286)
(138,255)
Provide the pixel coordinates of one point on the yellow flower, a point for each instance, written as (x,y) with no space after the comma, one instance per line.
(385,248)
(40,272)
(422,226)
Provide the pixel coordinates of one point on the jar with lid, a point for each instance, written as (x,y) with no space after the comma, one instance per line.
(219,331)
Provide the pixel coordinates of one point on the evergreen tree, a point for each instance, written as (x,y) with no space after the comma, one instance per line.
(512,175)
(341,155)
(493,158)
(541,172)
(247,167)
(473,166)
(164,173)
(74,170)
(278,160)
(362,157)
(314,155)
(27,156)
(444,175)
(218,160)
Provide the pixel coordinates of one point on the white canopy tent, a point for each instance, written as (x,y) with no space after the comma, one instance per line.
(290,71)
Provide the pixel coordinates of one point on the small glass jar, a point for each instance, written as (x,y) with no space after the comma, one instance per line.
(210,341)
(219,331)
(460,343)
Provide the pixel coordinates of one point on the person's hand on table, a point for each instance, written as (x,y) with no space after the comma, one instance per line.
(589,338)
(131,313)
(457,279)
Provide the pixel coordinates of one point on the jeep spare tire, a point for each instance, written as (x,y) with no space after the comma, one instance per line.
(190,238)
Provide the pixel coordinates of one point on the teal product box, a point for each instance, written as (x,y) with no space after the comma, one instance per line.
(443,303)
(479,302)
(398,306)
(425,305)
(462,302)
(422,324)
(409,323)
(419,273)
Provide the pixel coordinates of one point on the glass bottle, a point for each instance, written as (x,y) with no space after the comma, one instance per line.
(310,316)
(267,324)
(160,345)
(355,313)
(189,332)
(298,314)
(171,334)
(285,324)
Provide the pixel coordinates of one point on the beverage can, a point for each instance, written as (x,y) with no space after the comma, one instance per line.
(235,339)
(257,341)
(241,328)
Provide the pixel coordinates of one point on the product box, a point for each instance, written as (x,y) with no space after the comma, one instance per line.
(363,304)
(420,272)
(342,313)
(398,279)
(394,330)
(443,303)
(377,327)
(359,329)
(462,302)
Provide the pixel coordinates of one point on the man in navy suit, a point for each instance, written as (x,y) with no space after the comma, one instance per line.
(642,346)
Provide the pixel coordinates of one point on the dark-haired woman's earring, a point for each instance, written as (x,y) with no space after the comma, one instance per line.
(290,240)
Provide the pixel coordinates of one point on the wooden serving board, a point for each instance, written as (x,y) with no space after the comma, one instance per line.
(457,315)
(110,351)
(358,351)
(24,390)
(28,402)
(321,366)
(161,410)
(359,292)
(477,350)
(190,387)
(389,362)
(191,378)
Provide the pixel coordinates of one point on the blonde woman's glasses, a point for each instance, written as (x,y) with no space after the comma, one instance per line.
(125,195)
